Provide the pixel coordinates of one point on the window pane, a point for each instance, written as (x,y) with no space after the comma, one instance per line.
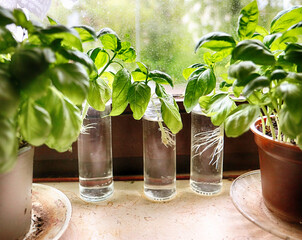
(164,32)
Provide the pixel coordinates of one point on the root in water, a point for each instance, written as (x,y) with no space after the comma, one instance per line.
(207,140)
(85,128)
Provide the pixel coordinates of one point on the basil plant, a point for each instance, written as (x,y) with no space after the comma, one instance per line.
(125,87)
(264,74)
(43,80)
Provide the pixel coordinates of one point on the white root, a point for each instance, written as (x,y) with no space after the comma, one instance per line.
(84,129)
(208,139)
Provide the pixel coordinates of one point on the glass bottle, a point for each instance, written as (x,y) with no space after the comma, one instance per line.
(159,150)
(206,154)
(95,156)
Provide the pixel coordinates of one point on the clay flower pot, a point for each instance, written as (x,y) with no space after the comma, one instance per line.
(281,176)
(15,197)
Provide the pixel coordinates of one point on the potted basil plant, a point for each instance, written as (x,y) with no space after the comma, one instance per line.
(43,80)
(265,77)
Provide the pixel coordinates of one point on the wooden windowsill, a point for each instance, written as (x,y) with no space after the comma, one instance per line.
(129,215)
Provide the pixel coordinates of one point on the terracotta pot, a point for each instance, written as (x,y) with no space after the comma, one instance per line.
(15,197)
(281,176)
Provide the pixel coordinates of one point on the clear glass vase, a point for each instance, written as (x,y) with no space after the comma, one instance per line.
(206,154)
(159,155)
(95,156)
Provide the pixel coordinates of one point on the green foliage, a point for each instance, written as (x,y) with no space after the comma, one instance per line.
(286,19)
(132,89)
(120,88)
(240,119)
(40,86)
(216,41)
(248,20)
(264,73)
(253,50)
(139,95)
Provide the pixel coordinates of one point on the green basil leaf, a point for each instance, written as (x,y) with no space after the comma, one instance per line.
(270,39)
(161,77)
(237,91)
(260,99)
(80,57)
(278,74)
(99,94)
(224,86)
(108,77)
(35,123)
(9,96)
(142,67)
(189,70)
(171,115)
(120,88)
(139,95)
(219,107)
(286,18)
(290,36)
(38,87)
(65,119)
(293,53)
(262,31)
(22,21)
(8,142)
(292,95)
(105,31)
(253,50)
(52,21)
(240,119)
(127,55)
(248,20)
(161,91)
(288,123)
(109,39)
(138,75)
(25,60)
(241,72)
(99,56)
(8,42)
(201,82)
(257,36)
(6,16)
(87,33)
(70,37)
(257,83)
(216,41)
(204,101)
(72,80)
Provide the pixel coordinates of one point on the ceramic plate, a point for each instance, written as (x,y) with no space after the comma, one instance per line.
(246,194)
(51,213)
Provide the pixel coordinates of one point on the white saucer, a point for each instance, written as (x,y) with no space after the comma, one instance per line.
(246,194)
(51,213)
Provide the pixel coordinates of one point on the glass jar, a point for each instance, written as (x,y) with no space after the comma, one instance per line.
(95,156)
(159,150)
(206,154)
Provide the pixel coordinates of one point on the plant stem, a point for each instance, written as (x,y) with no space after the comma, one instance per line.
(270,123)
(107,65)
(85,110)
(263,124)
(275,104)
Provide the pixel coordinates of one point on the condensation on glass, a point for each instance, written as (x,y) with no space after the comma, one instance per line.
(159,155)
(95,156)
(206,154)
